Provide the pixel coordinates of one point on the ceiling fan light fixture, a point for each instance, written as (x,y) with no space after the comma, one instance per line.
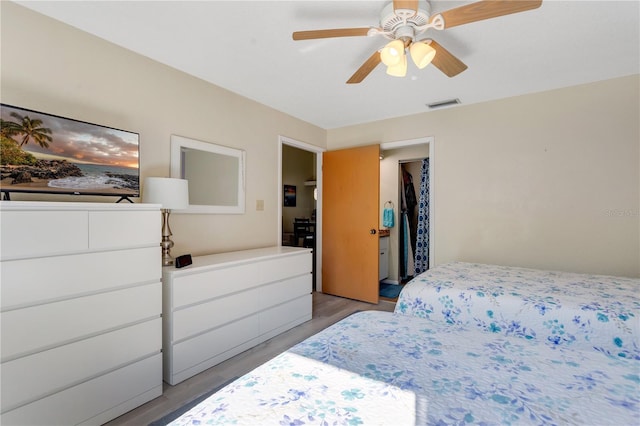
(392,54)
(399,70)
(422,54)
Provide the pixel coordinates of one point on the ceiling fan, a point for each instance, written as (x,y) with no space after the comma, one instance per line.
(405,23)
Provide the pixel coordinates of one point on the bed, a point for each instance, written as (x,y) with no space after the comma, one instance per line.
(422,365)
(381,368)
(564,309)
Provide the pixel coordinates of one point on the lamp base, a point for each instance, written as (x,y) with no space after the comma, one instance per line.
(166,243)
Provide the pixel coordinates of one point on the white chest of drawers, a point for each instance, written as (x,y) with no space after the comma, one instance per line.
(80,311)
(226,303)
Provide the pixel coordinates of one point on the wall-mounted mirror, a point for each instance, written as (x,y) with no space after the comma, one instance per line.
(215,174)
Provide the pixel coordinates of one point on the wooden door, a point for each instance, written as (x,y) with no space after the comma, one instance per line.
(350,256)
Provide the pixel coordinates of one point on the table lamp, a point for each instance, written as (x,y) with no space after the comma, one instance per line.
(171,194)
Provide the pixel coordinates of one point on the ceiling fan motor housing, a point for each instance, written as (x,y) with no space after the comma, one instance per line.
(402,22)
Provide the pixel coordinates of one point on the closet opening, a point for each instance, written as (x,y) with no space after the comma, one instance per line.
(413,202)
(400,162)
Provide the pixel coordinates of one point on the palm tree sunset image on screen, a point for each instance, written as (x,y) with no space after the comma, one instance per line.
(44,153)
(29,130)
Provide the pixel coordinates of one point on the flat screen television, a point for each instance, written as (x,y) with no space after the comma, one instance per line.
(45,153)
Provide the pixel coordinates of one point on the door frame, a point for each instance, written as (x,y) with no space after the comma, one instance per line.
(427,140)
(284,140)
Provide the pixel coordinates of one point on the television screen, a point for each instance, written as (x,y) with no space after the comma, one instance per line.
(44,153)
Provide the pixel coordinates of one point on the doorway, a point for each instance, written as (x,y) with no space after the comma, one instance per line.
(300,169)
(300,197)
(395,156)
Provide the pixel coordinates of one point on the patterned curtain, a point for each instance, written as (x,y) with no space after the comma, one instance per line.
(421,262)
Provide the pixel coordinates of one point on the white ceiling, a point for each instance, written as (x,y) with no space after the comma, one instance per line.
(246,47)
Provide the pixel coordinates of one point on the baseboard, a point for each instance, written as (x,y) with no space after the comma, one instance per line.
(387,281)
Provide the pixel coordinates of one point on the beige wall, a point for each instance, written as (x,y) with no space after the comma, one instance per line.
(548,180)
(51,67)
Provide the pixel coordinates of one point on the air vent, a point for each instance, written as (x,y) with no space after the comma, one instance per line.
(443,104)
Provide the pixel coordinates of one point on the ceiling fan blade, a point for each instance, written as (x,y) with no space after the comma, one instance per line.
(366,68)
(445,61)
(405,4)
(338,32)
(485,9)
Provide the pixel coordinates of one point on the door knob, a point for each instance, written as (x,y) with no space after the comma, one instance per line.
(372,231)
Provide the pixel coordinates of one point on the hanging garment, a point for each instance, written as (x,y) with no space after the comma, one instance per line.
(388,215)
(408,249)
(409,191)
(404,249)
(402,266)
(402,270)
(411,203)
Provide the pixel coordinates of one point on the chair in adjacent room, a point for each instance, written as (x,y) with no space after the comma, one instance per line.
(303,229)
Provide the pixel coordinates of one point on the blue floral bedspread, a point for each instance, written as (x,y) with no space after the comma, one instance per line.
(381,368)
(563,309)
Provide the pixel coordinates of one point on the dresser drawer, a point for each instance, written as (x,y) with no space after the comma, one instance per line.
(27,379)
(114,229)
(285,316)
(199,349)
(42,233)
(212,283)
(113,394)
(45,326)
(282,291)
(32,281)
(285,267)
(206,316)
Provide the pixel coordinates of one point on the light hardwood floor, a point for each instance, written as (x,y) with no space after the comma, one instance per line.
(327,310)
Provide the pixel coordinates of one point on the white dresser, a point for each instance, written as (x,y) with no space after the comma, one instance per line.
(226,303)
(80,311)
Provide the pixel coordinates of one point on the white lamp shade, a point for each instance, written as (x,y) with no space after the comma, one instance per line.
(422,54)
(392,53)
(399,70)
(170,193)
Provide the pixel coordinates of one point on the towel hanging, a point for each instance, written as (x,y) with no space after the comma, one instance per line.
(388,215)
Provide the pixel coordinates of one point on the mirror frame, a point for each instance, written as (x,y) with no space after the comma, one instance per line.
(178,143)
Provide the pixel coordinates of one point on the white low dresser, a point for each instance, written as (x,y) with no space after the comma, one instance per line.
(80,311)
(226,303)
